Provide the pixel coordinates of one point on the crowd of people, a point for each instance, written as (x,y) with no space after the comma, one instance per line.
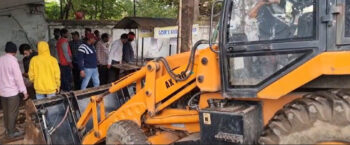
(59,65)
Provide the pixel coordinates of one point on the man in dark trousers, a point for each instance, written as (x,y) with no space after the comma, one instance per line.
(74,45)
(128,51)
(87,62)
(11,86)
(102,50)
(65,61)
(115,56)
(28,53)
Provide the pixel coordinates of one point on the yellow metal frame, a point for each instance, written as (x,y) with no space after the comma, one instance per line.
(327,63)
(160,90)
(159,86)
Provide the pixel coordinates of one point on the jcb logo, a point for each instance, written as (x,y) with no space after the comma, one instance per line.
(169,83)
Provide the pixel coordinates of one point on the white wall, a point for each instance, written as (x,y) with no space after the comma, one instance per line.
(160,47)
(156,47)
(29,28)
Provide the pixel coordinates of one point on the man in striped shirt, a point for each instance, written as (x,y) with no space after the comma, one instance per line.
(102,48)
(87,62)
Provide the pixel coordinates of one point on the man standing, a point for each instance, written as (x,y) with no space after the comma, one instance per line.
(53,43)
(44,72)
(11,86)
(28,53)
(74,45)
(87,31)
(115,57)
(65,61)
(97,35)
(87,62)
(102,50)
(128,51)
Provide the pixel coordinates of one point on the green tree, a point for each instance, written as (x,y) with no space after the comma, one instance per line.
(52,10)
(117,9)
(103,9)
(111,9)
(156,8)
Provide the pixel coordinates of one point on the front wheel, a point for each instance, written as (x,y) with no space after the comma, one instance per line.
(125,132)
(315,118)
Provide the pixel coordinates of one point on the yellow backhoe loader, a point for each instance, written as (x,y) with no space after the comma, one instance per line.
(280,74)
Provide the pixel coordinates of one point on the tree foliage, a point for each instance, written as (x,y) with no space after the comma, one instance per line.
(52,10)
(104,9)
(156,8)
(117,9)
(111,9)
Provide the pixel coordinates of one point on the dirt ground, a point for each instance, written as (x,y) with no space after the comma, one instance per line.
(19,126)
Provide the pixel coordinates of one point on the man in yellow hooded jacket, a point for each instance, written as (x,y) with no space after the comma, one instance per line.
(44,72)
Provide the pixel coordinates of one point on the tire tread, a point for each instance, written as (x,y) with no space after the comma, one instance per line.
(126,132)
(300,114)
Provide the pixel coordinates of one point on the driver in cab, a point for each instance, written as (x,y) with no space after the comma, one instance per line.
(270,26)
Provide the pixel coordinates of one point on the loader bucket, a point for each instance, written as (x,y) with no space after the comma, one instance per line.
(33,131)
(53,120)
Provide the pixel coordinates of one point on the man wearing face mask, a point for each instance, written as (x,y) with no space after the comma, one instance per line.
(128,51)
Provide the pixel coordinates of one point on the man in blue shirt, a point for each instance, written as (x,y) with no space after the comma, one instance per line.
(87,62)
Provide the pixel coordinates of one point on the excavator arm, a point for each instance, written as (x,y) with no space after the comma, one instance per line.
(165,82)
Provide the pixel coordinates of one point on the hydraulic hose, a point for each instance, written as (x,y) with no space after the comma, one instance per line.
(52,130)
(188,67)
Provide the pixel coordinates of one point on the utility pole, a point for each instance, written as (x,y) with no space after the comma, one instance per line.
(61,10)
(134,8)
(186,19)
(102,9)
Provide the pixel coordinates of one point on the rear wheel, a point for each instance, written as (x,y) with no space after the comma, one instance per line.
(315,118)
(125,132)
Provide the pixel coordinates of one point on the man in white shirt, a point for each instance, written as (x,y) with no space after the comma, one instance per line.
(115,57)
(102,51)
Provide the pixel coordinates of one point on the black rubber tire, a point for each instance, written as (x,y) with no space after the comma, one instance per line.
(317,117)
(125,132)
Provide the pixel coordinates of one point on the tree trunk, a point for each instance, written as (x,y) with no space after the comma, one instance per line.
(186,17)
(96,9)
(102,9)
(61,9)
(196,10)
(134,8)
(67,9)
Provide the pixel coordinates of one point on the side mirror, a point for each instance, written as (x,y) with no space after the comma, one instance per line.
(211,38)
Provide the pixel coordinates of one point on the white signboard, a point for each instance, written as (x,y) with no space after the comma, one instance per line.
(145,33)
(171,31)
